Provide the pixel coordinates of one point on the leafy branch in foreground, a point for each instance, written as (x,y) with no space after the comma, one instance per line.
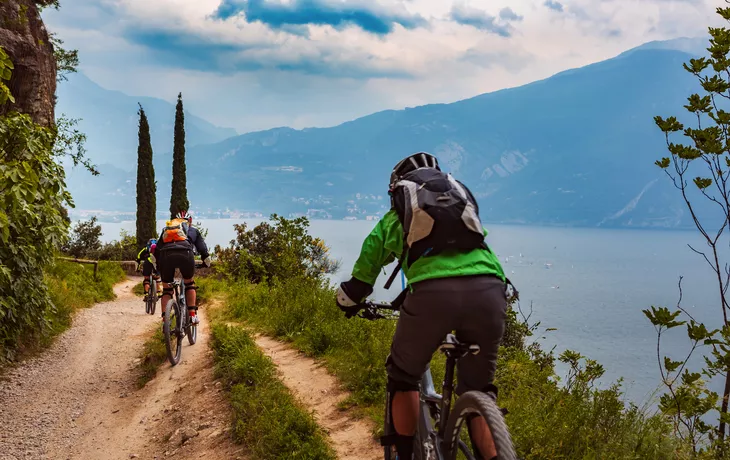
(32,226)
(69,141)
(687,400)
(699,167)
(66,60)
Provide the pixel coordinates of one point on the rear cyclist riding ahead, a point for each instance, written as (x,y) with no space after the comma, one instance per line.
(147,263)
(455,283)
(175,251)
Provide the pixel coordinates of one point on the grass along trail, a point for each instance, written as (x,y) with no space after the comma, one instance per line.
(79,399)
(319,391)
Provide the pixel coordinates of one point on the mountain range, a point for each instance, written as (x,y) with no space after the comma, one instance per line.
(574,149)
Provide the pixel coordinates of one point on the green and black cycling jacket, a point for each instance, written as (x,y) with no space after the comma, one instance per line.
(385,243)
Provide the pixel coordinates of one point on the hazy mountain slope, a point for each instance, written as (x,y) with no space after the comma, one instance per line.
(576,148)
(109,119)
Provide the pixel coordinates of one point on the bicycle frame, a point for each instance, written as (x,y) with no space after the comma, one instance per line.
(433,406)
(436,407)
(179,285)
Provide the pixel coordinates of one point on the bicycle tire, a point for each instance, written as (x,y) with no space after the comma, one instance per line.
(172,334)
(192,332)
(424,433)
(150,304)
(478,403)
(153,303)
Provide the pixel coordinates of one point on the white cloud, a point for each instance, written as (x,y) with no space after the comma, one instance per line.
(250,76)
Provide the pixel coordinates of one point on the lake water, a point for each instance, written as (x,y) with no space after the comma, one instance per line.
(597,283)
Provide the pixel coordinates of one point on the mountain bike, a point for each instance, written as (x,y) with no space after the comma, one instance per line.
(178,323)
(440,434)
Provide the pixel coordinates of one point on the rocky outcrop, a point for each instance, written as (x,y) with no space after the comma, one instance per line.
(25,38)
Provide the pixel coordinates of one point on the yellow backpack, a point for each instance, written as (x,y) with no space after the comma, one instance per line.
(175,230)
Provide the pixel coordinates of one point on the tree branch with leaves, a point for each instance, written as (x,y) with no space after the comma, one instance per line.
(699,167)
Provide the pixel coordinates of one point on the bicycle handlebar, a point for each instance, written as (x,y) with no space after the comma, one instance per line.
(371,310)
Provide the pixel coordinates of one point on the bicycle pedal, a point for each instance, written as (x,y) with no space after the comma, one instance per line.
(503,410)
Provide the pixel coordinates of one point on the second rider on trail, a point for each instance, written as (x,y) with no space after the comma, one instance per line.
(174,250)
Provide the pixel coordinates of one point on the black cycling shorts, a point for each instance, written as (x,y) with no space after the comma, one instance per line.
(147,268)
(473,306)
(171,259)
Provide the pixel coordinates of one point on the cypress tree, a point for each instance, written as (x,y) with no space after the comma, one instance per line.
(146,186)
(179,196)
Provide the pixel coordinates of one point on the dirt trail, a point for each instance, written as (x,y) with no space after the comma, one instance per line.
(78,400)
(317,389)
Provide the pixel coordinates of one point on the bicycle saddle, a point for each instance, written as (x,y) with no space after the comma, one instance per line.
(452,343)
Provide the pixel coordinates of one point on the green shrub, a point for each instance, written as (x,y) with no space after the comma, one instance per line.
(32,226)
(85,238)
(84,243)
(267,418)
(279,250)
(123,249)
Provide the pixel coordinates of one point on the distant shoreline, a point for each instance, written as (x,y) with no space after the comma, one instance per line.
(486,223)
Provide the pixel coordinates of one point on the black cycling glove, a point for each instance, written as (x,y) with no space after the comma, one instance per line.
(351,295)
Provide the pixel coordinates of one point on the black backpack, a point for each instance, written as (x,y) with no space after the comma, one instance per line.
(437,213)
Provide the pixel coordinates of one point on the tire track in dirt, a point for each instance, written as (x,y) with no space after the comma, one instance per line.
(318,390)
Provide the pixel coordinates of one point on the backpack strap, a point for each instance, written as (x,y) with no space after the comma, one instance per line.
(393,275)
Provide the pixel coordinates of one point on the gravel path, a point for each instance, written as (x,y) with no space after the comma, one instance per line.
(78,399)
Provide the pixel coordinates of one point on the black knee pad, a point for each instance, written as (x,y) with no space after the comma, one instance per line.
(395,385)
(168,291)
(191,287)
(146,282)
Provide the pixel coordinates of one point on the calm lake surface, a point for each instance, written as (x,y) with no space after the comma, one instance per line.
(593,290)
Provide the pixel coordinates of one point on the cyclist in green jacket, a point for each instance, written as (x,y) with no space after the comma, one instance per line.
(146,263)
(462,290)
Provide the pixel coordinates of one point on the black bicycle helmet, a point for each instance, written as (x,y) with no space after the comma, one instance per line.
(411,163)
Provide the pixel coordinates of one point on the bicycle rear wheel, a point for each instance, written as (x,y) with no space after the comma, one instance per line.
(171,331)
(481,404)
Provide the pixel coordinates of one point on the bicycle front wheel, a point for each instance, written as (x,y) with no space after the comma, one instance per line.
(171,331)
(153,297)
(191,331)
(476,403)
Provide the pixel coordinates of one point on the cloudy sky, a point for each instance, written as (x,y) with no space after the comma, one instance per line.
(256,64)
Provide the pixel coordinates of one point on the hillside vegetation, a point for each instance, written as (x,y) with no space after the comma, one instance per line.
(548,418)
